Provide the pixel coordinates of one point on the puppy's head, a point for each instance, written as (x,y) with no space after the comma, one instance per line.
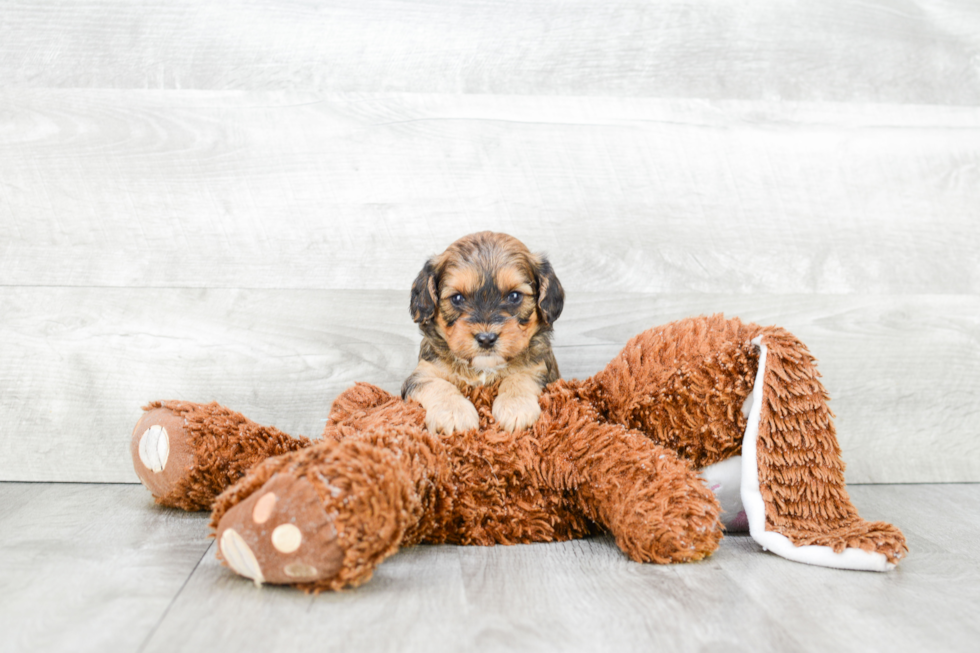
(485,298)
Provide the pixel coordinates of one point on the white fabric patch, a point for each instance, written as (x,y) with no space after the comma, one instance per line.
(747,404)
(238,554)
(154,448)
(755,507)
(724,479)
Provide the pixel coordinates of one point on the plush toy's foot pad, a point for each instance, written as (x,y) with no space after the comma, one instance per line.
(281,534)
(163,455)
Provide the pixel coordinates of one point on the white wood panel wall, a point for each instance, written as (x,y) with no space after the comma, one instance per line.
(205,201)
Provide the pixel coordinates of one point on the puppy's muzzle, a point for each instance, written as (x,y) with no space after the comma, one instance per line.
(486,339)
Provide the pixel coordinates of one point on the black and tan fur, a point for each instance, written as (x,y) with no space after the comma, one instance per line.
(485,287)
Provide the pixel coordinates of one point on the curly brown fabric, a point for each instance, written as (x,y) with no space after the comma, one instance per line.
(225,446)
(801,473)
(617,453)
(684,383)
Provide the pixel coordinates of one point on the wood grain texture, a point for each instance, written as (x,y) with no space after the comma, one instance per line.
(904,371)
(941,516)
(100,567)
(586,596)
(89,567)
(576,596)
(205,200)
(210,201)
(922,51)
(919,607)
(306,190)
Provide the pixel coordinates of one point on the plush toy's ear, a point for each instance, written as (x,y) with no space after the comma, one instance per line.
(424,298)
(551,296)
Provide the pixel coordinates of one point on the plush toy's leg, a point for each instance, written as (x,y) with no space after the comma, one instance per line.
(793,477)
(187,454)
(324,517)
(683,384)
(653,502)
(701,387)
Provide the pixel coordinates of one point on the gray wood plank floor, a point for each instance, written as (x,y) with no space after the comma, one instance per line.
(89,567)
(100,568)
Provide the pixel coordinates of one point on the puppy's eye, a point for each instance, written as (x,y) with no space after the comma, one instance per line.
(457,300)
(515,297)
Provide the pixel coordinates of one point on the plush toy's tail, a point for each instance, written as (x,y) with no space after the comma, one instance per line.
(792,483)
(712,389)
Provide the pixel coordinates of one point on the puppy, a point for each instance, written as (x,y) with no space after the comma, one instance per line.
(485,307)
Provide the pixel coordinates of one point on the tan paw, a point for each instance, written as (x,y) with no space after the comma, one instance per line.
(515,411)
(452,413)
(281,534)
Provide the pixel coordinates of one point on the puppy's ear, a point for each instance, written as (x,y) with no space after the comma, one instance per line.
(551,296)
(424,299)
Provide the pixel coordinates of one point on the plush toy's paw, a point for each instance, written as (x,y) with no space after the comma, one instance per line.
(319,518)
(658,508)
(453,413)
(516,411)
(163,455)
(281,534)
(688,528)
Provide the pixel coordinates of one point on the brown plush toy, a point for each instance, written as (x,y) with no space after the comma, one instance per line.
(691,417)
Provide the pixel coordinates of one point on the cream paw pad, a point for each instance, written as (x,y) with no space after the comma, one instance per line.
(162,455)
(280,534)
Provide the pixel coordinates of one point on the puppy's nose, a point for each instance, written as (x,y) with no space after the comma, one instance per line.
(486,339)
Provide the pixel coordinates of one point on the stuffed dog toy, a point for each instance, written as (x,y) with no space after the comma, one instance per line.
(697,426)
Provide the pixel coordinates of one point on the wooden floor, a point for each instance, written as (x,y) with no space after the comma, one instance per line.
(99,567)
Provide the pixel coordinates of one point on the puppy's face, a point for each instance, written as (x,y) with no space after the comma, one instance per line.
(485,298)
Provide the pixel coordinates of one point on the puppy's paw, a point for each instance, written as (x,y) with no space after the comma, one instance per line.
(516,411)
(453,413)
